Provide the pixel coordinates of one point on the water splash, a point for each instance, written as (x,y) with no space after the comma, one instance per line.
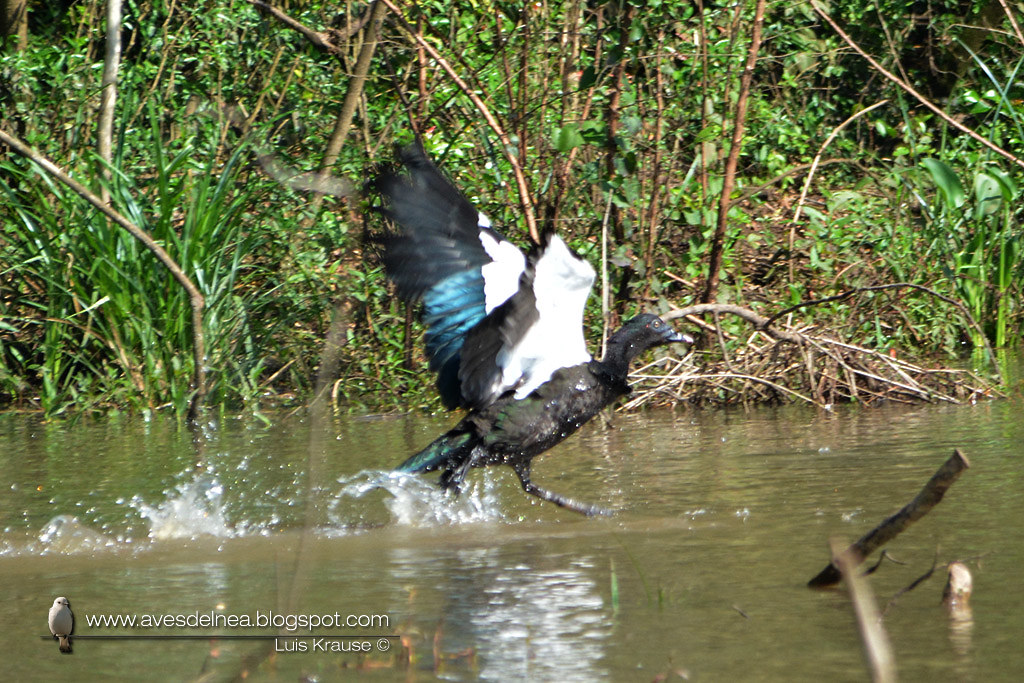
(418,501)
(66,535)
(62,535)
(194,508)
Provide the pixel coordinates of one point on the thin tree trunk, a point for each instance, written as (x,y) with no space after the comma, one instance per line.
(352,97)
(108,94)
(707,147)
(729,181)
(523,90)
(569,74)
(14,21)
(657,182)
(612,114)
(424,98)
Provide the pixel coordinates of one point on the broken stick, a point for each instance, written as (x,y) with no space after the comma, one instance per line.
(877,648)
(957,593)
(928,498)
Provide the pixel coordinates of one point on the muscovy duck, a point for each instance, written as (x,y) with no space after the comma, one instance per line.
(504,330)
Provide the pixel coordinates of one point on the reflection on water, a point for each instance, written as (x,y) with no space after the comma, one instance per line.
(721,519)
(538,622)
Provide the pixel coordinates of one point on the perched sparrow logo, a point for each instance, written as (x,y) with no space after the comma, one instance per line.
(62,623)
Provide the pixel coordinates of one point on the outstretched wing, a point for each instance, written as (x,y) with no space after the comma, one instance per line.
(495,320)
(446,255)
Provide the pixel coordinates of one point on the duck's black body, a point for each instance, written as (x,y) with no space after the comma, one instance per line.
(516,359)
(514,431)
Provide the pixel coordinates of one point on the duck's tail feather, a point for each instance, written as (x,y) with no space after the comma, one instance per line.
(443,452)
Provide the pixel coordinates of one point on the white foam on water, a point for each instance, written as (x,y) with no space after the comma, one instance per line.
(66,535)
(62,535)
(192,509)
(414,500)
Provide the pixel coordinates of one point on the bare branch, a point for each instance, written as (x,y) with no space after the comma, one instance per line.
(877,648)
(1013,21)
(758,321)
(910,90)
(810,175)
(329,41)
(524,191)
(929,496)
(304,181)
(913,584)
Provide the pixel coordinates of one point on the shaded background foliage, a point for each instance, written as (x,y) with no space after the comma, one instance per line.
(621,114)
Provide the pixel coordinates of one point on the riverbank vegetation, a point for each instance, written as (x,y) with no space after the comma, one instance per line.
(850,170)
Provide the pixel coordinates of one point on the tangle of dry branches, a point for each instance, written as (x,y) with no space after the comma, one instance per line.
(781,364)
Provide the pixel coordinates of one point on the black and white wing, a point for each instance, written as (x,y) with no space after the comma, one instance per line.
(496,320)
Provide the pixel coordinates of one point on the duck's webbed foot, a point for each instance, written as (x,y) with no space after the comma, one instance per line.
(523,471)
(453,476)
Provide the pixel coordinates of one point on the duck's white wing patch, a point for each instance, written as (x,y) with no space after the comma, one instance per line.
(535,332)
(501,275)
(561,285)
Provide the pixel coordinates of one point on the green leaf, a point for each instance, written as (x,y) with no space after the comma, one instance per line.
(885,129)
(1006,184)
(975,102)
(709,133)
(947,182)
(843,197)
(588,78)
(987,193)
(815,215)
(567,137)
(593,132)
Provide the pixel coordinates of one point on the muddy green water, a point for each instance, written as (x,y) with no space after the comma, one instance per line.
(721,518)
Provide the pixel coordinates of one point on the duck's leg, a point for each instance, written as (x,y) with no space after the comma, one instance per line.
(452,478)
(522,469)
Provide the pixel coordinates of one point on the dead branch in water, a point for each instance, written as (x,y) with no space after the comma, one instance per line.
(877,649)
(957,592)
(780,363)
(926,499)
(912,585)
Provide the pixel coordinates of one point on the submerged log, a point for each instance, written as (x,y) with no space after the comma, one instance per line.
(959,585)
(928,498)
(956,599)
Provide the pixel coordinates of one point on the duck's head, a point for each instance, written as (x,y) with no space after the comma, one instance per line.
(641,333)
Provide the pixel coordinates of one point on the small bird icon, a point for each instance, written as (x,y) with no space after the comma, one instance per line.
(62,623)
